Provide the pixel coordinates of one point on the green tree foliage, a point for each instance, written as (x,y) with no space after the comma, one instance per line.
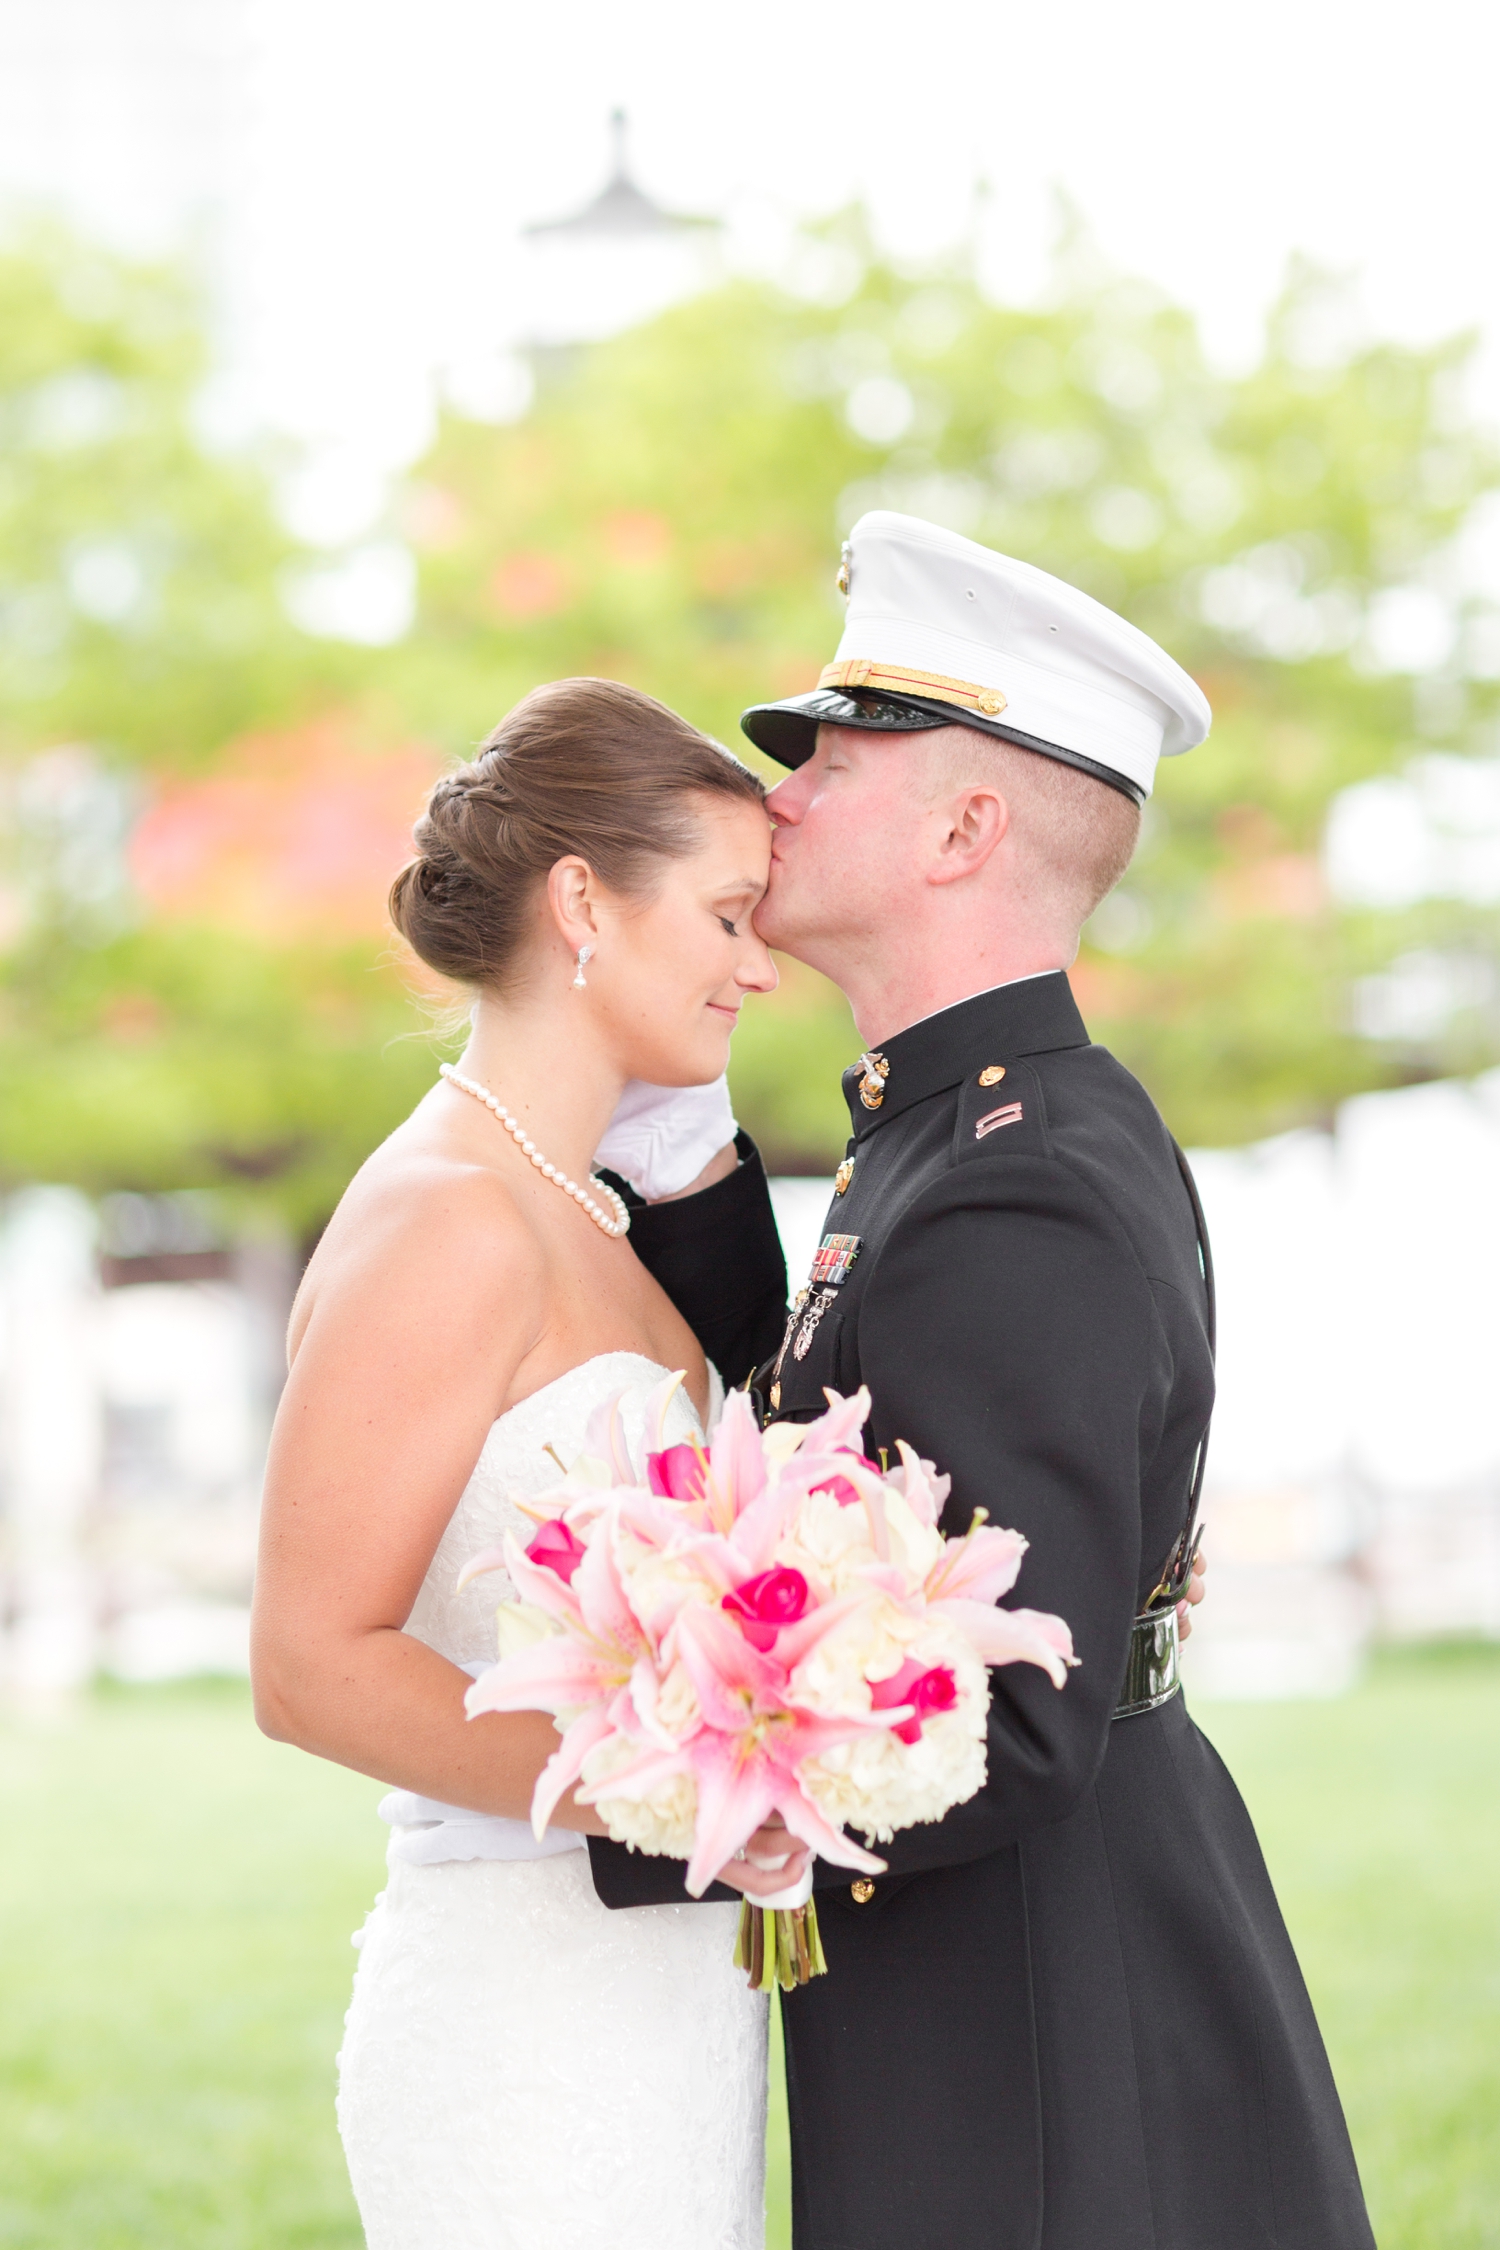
(142,630)
(670,511)
(195,1057)
(139,605)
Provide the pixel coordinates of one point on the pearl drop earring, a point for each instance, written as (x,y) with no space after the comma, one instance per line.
(585,953)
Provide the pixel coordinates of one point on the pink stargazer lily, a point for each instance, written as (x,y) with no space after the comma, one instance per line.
(587,1671)
(680,1473)
(744,1759)
(680,1618)
(965,1585)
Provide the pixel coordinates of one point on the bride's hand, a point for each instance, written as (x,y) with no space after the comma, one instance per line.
(1195,1593)
(771,1861)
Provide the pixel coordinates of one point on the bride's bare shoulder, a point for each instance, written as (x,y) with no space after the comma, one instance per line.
(419,1226)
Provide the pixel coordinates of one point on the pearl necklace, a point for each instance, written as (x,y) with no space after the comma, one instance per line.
(616,1226)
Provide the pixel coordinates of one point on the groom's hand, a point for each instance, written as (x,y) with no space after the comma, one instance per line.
(1190,1600)
(670,1141)
(771,1861)
(717,1168)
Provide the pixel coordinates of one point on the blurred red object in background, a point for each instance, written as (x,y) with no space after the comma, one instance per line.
(302,829)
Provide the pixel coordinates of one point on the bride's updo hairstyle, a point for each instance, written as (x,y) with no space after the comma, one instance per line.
(585,767)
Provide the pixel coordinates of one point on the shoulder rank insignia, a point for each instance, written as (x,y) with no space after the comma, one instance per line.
(872,1085)
(1011,1114)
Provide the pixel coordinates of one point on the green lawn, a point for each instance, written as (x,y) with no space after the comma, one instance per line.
(176,1898)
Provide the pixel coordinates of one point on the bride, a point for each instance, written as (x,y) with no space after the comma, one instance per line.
(522,2069)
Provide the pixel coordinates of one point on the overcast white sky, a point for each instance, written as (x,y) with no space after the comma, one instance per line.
(379,156)
(400,145)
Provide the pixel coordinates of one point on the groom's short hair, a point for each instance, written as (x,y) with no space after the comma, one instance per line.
(1077,832)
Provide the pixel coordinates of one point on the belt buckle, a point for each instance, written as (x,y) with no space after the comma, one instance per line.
(1153,1668)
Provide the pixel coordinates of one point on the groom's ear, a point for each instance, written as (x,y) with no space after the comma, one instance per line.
(975,821)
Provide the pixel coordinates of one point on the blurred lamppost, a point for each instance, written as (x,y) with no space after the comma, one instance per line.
(618,259)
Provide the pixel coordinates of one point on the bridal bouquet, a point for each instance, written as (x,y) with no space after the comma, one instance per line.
(773,1624)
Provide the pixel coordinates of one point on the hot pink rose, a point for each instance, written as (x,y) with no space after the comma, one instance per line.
(557,1547)
(764,1604)
(927,1692)
(676,1474)
(840,1487)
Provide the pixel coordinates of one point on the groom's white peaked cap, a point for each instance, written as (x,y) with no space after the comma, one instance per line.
(941,632)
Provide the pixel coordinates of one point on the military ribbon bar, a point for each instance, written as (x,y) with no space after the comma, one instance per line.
(836,1254)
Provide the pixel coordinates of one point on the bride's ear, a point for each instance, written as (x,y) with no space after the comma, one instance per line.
(571,889)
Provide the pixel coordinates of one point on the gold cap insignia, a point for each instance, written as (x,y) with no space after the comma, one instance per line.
(992,1074)
(842,580)
(854,672)
(843,1175)
(872,1086)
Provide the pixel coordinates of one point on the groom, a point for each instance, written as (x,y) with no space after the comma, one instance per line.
(1069,2017)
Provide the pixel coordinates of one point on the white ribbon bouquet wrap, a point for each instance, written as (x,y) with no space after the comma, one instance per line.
(773,1624)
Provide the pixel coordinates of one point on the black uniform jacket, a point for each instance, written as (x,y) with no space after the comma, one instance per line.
(1069,2018)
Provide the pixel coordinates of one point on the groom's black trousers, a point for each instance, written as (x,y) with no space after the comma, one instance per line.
(1069,2018)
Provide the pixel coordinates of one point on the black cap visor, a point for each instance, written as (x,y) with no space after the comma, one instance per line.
(788,731)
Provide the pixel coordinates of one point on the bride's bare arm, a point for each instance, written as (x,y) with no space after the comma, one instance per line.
(420,1312)
(405,1348)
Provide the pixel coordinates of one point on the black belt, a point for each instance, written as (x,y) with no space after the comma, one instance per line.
(1153,1669)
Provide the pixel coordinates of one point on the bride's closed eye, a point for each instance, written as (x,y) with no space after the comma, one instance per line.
(726,924)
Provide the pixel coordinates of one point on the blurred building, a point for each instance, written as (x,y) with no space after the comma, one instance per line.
(140,1364)
(618,259)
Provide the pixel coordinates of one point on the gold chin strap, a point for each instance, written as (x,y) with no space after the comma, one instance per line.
(901,679)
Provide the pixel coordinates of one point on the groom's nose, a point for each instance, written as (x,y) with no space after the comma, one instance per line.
(786,801)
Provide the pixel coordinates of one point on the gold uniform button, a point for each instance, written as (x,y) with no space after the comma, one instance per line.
(992,1075)
(991,702)
(775,1396)
(862,1890)
(843,1175)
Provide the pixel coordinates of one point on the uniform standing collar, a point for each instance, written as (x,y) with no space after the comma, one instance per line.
(1033,1016)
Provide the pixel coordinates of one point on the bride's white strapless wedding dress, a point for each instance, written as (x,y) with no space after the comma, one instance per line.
(523,2069)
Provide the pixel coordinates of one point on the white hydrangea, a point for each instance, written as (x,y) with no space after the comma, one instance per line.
(829,1543)
(661,1823)
(660,1581)
(833,1678)
(878,1783)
